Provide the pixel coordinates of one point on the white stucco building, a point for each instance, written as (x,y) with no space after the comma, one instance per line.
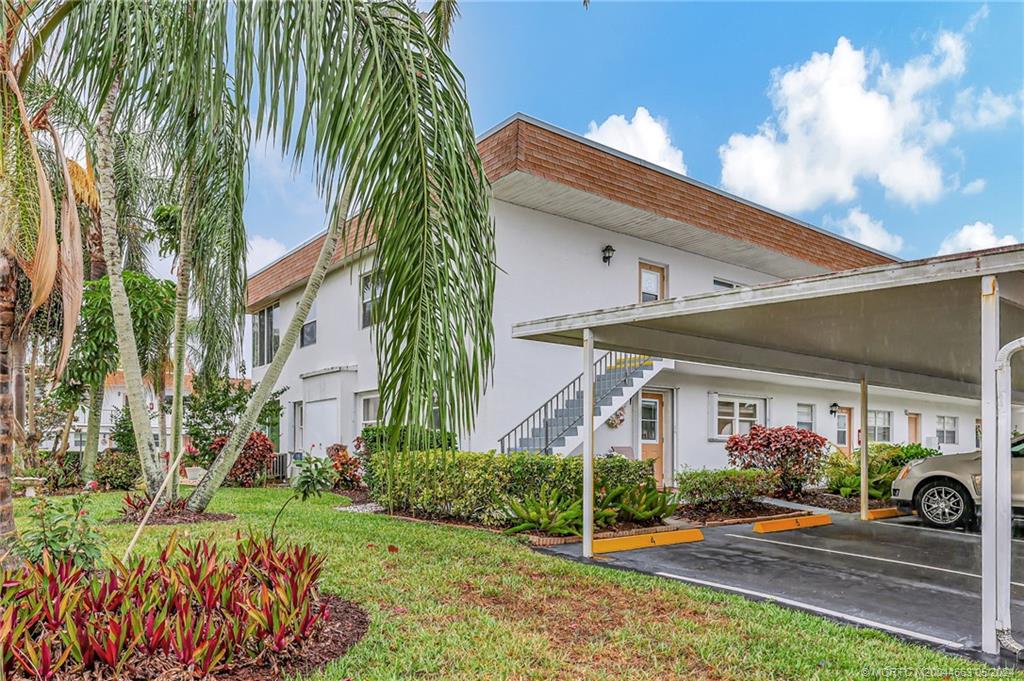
(579,227)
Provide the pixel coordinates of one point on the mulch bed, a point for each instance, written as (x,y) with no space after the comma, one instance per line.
(347,623)
(175,518)
(755,510)
(358,496)
(834,502)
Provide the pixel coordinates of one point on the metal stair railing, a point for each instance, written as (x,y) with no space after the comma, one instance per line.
(543,416)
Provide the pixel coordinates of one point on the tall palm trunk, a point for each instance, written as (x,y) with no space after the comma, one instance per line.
(220,467)
(119,297)
(8,283)
(180,319)
(92,433)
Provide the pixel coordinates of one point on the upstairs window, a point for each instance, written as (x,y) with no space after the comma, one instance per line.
(652,282)
(369,293)
(266,334)
(945,430)
(879,426)
(308,335)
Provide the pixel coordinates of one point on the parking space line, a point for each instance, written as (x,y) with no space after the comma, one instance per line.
(820,611)
(948,533)
(862,555)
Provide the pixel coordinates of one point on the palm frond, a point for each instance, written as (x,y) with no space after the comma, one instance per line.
(441,18)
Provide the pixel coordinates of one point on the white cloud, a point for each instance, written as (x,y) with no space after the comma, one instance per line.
(262,251)
(845,117)
(974,237)
(645,137)
(861,227)
(976,186)
(987,110)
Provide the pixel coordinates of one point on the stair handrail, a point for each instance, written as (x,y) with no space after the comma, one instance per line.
(540,416)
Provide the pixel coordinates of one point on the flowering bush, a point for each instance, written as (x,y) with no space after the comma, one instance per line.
(793,454)
(254,461)
(117,469)
(349,468)
(190,614)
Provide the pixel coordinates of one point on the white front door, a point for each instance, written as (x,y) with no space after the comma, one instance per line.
(321,428)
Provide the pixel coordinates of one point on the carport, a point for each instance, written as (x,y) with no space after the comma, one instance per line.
(942,325)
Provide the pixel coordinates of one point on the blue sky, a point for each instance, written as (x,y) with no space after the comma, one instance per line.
(899,125)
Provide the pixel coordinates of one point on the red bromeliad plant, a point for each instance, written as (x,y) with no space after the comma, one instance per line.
(253,464)
(198,612)
(795,455)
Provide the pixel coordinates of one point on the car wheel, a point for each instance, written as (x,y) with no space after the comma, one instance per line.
(944,504)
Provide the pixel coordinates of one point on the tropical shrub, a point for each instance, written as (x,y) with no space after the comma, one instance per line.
(63,530)
(212,411)
(794,455)
(550,512)
(63,473)
(418,438)
(348,468)
(315,477)
(253,463)
(225,608)
(842,470)
(646,504)
(475,486)
(118,469)
(133,506)
(723,490)
(123,434)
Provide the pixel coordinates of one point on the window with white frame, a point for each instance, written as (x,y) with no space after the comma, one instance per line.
(650,420)
(308,335)
(805,416)
(879,426)
(737,415)
(370,410)
(79,441)
(945,430)
(369,292)
(298,421)
(266,334)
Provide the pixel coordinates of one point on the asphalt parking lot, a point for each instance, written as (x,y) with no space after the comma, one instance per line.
(894,575)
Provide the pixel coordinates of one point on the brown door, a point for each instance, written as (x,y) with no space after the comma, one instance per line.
(652,431)
(844,429)
(914,428)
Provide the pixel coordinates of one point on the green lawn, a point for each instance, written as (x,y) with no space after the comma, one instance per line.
(464,604)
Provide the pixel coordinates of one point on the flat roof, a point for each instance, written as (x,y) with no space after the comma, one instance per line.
(909,325)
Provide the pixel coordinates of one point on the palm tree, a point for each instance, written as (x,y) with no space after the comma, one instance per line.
(363,89)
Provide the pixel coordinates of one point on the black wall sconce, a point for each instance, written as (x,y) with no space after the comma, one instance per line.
(606,254)
(833,409)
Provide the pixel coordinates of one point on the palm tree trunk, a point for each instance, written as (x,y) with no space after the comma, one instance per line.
(220,467)
(8,282)
(17,355)
(180,318)
(65,435)
(92,433)
(119,297)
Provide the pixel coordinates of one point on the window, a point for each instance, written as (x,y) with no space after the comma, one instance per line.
(371,407)
(736,415)
(879,426)
(79,441)
(297,423)
(805,416)
(652,282)
(977,433)
(368,295)
(308,335)
(649,421)
(724,284)
(945,430)
(843,428)
(266,334)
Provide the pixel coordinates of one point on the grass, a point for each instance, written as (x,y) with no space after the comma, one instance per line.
(454,603)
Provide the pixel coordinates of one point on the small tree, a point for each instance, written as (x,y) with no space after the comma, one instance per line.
(214,408)
(795,455)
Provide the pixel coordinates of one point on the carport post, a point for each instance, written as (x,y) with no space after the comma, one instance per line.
(588,443)
(863,448)
(989,463)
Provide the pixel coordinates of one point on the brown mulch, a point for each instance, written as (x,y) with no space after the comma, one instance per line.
(754,509)
(174,518)
(834,502)
(357,496)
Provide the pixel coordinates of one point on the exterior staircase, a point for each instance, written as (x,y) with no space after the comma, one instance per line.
(554,428)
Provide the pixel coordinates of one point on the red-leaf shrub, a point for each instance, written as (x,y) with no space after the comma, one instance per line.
(793,454)
(253,463)
(348,467)
(196,613)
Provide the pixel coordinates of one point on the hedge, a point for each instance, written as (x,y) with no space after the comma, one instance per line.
(723,490)
(472,486)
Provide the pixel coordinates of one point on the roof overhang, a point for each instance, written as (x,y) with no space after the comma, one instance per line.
(911,326)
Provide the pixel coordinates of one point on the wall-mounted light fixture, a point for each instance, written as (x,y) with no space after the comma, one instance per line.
(833,409)
(606,254)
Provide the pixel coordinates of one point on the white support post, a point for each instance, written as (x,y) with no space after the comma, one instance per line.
(588,443)
(1004,473)
(863,448)
(989,467)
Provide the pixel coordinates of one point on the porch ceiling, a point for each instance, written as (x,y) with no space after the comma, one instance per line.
(913,325)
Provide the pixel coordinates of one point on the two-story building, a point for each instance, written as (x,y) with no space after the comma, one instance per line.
(580,226)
